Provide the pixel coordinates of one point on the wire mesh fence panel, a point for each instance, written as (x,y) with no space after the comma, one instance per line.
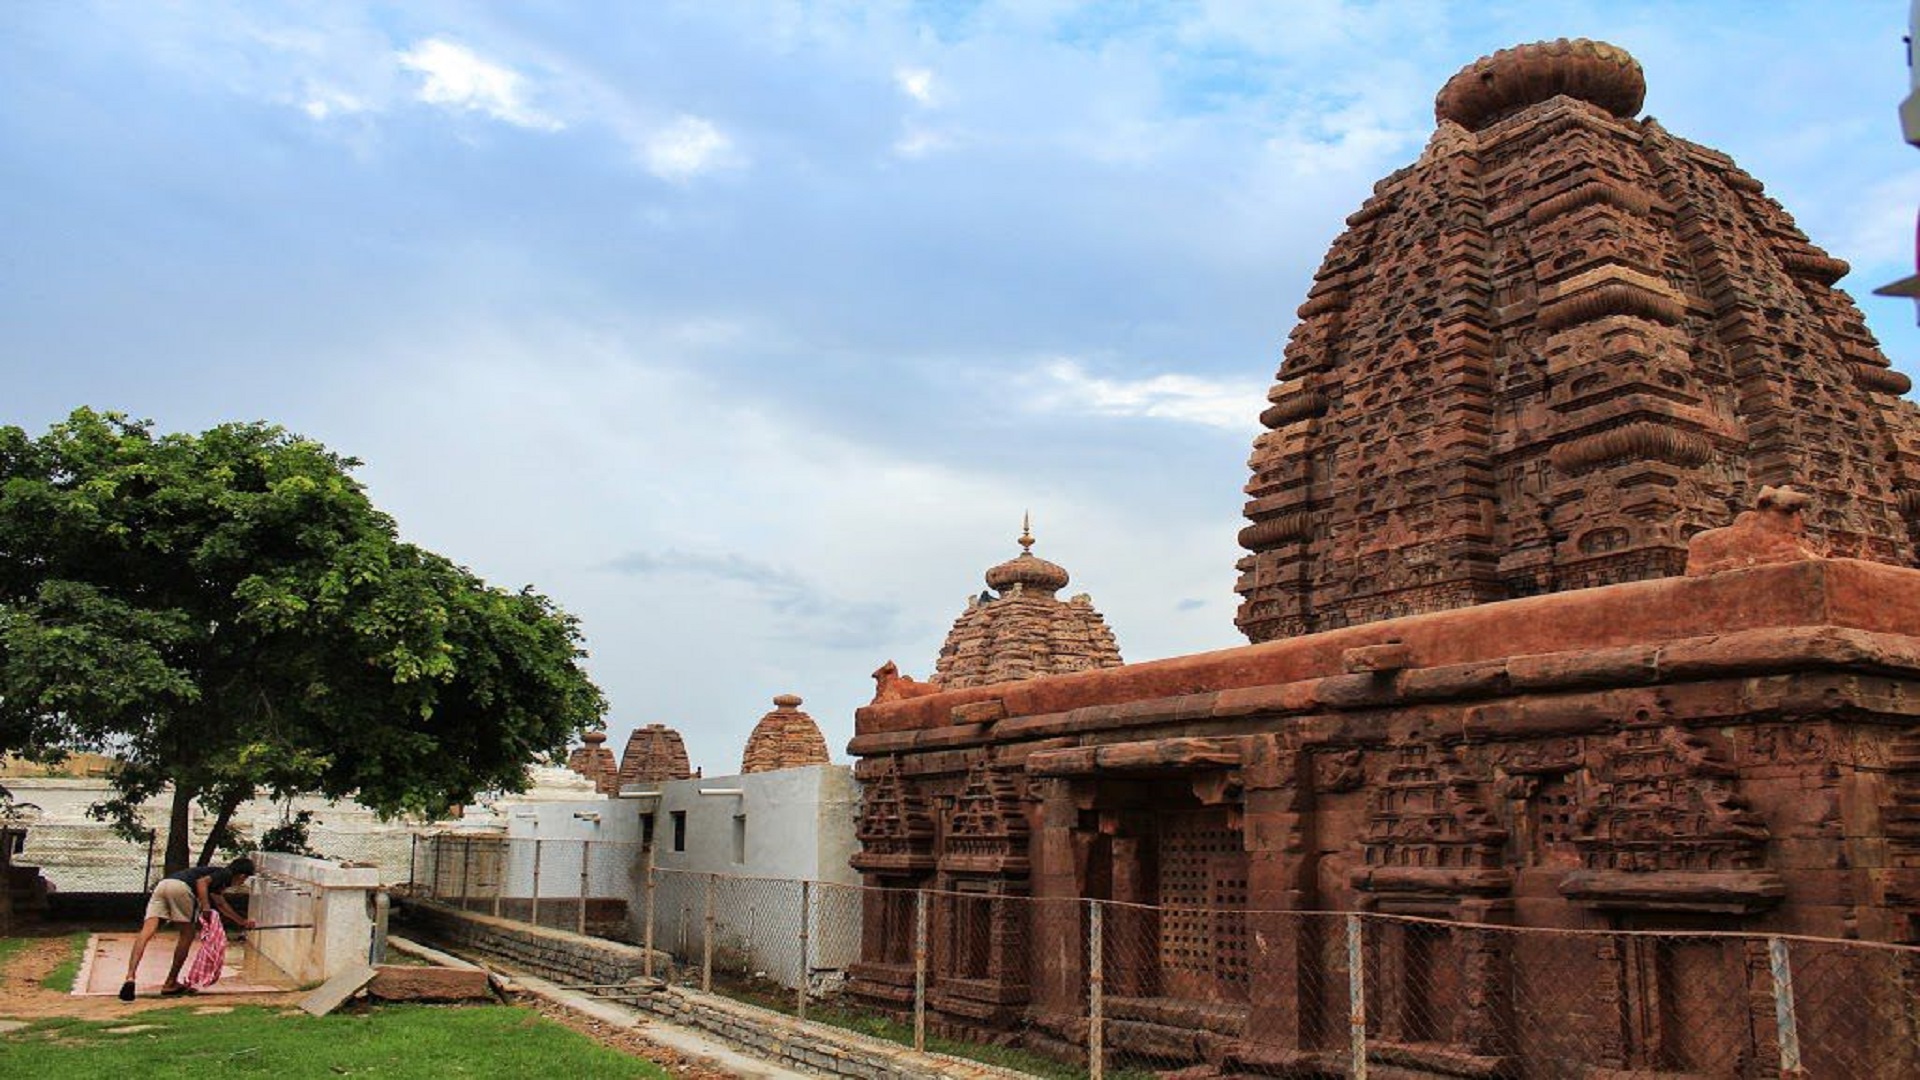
(420,863)
(90,858)
(679,918)
(837,918)
(615,878)
(1850,1009)
(389,850)
(1562,1008)
(1297,1019)
(757,928)
(1043,984)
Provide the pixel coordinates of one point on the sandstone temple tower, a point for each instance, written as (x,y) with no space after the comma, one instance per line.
(1021,629)
(595,762)
(655,752)
(1548,352)
(785,738)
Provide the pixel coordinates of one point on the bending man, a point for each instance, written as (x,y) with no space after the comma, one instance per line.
(180,898)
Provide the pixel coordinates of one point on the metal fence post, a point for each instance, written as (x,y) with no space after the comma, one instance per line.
(1789,1028)
(466,864)
(1096,993)
(413,860)
(920,970)
(501,866)
(534,915)
(1357,997)
(806,917)
(706,939)
(586,853)
(146,876)
(646,962)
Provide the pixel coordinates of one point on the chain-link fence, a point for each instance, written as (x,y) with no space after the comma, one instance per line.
(89,857)
(586,886)
(1066,987)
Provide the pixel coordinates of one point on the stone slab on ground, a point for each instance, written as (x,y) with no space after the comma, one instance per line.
(410,983)
(334,993)
(11,1025)
(104,967)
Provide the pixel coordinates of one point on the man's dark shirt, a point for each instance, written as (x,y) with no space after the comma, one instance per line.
(218,878)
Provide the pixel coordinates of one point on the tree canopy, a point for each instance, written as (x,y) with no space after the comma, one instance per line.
(228,613)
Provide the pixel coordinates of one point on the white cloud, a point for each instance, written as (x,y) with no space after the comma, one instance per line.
(1067,386)
(918,143)
(687,148)
(459,79)
(1876,227)
(322,102)
(916,83)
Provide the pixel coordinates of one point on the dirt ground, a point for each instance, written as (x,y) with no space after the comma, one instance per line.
(23,998)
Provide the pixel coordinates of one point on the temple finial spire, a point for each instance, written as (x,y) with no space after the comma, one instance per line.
(1026,532)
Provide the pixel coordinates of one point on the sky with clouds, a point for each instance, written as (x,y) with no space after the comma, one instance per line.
(747,331)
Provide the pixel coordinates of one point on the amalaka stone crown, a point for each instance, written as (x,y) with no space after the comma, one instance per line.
(1496,86)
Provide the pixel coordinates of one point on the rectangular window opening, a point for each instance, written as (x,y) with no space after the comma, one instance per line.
(740,838)
(679,830)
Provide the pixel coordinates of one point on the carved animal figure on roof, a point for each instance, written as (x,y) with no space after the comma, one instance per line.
(1772,532)
(890,685)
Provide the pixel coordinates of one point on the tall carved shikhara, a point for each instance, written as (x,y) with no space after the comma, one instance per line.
(1547,353)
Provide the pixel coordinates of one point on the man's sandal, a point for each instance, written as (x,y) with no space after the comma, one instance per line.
(177,991)
(126,990)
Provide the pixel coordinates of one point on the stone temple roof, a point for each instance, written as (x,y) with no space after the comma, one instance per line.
(1550,351)
(1025,630)
(595,762)
(785,738)
(654,753)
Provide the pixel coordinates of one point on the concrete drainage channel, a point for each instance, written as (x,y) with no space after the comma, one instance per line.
(612,1012)
(745,1039)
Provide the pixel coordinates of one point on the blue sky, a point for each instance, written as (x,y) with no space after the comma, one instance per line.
(748,331)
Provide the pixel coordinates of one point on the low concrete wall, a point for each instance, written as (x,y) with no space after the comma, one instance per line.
(334,899)
(558,955)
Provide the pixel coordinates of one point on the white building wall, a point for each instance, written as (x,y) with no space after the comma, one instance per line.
(798,826)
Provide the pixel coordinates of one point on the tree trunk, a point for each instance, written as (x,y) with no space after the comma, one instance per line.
(228,804)
(179,844)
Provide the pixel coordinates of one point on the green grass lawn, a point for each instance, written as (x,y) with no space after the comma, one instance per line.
(61,977)
(395,1041)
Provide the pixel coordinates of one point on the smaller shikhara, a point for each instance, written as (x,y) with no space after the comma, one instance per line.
(1021,629)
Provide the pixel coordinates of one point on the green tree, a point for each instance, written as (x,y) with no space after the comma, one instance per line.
(229,614)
